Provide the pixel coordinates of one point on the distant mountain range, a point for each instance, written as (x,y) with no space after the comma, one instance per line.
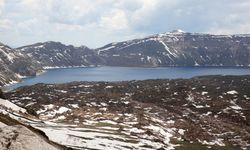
(175,48)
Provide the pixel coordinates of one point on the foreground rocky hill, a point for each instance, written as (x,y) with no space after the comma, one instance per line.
(17,136)
(210,112)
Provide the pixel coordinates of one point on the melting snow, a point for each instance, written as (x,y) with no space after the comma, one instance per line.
(109,87)
(167,49)
(12,106)
(2,125)
(9,56)
(204,93)
(232,92)
(62,110)
(74,105)
(105,49)
(181,131)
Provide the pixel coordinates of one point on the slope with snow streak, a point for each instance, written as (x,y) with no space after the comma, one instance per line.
(57,55)
(100,138)
(11,106)
(15,135)
(93,134)
(14,64)
(100,134)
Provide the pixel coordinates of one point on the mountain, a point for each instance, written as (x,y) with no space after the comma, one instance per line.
(57,55)
(175,48)
(14,65)
(203,113)
(178,48)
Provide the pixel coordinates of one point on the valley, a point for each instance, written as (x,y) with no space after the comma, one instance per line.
(124,75)
(159,104)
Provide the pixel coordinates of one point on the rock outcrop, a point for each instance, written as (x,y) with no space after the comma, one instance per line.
(18,137)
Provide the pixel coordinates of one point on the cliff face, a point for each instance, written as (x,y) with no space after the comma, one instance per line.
(21,138)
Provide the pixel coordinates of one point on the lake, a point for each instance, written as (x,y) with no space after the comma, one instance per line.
(126,73)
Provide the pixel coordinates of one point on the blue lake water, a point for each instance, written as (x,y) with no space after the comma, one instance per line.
(126,73)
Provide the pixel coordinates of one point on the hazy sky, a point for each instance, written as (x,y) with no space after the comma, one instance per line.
(95,23)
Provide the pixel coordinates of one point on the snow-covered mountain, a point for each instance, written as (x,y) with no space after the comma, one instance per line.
(175,48)
(56,55)
(178,48)
(14,65)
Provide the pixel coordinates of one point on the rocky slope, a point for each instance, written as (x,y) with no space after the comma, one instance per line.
(14,64)
(210,112)
(15,135)
(179,49)
(21,138)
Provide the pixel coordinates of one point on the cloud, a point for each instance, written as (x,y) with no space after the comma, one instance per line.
(98,22)
(1,6)
(114,20)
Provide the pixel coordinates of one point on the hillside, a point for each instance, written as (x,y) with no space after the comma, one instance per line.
(14,65)
(58,55)
(179,49)
(16,135)
(210,112)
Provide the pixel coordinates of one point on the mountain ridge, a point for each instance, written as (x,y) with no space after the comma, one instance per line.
(175,48)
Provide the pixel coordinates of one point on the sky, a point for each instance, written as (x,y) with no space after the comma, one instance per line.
(95,23)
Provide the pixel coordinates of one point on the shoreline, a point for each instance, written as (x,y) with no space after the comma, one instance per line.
(45,69)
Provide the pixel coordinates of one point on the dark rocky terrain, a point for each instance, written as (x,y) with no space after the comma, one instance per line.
(209,112)
(161,50)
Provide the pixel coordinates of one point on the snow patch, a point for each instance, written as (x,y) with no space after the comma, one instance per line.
(232,92)
(12,106)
